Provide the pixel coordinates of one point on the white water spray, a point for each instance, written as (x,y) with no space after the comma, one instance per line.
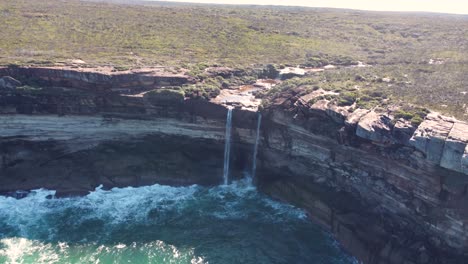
(227,146)
(257,137)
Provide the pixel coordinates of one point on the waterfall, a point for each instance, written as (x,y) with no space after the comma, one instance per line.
(227,146)
(254,158)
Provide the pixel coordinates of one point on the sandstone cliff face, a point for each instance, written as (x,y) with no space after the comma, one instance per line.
(391,192)
(181,144)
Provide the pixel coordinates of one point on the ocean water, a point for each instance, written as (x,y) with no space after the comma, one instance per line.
(161,224)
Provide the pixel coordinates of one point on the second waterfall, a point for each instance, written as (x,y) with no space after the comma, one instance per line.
(227,146)
(257,136)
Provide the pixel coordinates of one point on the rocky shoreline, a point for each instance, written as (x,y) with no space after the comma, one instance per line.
(391,191)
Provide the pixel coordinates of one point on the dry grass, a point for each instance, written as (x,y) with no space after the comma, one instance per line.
(44,32)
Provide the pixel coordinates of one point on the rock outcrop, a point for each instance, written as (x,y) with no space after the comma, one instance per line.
(390,191)
(443,141)
(455,148)
(375,127)
(431,136)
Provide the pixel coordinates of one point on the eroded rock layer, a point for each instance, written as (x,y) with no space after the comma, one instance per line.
(103,78)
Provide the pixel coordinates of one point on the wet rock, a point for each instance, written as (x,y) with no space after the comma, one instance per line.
(464,161)
(19,194)
(69,194)
(8,82)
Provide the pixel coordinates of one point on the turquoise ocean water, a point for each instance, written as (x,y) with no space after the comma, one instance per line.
(161,224)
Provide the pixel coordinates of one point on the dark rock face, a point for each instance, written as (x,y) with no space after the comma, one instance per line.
(390,192)
(385,200)
(380,209)
(174,160)
(178,144)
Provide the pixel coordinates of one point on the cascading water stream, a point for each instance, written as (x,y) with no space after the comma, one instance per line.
(227,146)
(254,158)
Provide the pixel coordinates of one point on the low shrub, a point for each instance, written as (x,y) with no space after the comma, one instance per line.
(347,98)
(165,95)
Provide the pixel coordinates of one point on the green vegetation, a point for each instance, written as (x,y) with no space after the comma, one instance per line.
(196,37)
(414,114)
(370,99)
(121,68)
(50,31)
(166,95)
(347,98)
(201,91)
(342,89)
(439,87)
(177,94)
(51,91)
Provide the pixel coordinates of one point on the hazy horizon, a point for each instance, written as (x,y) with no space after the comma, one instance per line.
(437,6)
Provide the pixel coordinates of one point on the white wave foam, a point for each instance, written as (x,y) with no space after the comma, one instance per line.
(115,206)
(18,250)
(285,209)
(123,205)
(22,250)
(119,208)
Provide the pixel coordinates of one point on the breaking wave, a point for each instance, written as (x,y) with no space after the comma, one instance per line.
(161,224)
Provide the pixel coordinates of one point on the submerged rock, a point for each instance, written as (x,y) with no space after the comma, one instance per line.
(19,194)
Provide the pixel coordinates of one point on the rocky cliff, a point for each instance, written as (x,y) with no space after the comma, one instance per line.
(97,79)
(391,191)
